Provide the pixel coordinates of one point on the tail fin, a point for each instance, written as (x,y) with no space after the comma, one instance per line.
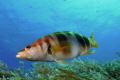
(93,43)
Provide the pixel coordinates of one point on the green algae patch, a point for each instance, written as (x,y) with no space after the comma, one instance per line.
(78,70)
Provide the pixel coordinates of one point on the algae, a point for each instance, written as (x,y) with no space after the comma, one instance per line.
(78,70)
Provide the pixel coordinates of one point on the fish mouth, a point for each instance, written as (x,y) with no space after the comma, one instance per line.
(23,55)
(18,55)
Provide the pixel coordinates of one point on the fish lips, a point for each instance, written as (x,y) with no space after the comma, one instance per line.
(23,55)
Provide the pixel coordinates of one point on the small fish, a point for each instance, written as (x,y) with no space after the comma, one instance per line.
(58,46)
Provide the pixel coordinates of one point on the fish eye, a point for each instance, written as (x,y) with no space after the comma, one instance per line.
(28,47)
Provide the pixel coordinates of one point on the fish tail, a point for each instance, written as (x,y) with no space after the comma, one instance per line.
(93,43)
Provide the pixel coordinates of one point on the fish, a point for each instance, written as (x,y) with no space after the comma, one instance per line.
(58,47)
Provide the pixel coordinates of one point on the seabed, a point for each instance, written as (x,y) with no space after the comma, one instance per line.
(78,70)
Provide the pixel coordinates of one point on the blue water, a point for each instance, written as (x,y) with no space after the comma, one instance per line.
(24,21)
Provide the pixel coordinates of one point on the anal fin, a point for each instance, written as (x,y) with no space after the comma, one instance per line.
(61,61)
(88,52)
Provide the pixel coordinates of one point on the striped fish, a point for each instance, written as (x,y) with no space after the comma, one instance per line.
(58,46)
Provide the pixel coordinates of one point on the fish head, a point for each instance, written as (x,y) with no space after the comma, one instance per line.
(32,53)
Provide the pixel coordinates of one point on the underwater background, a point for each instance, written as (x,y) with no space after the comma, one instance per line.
(24,21)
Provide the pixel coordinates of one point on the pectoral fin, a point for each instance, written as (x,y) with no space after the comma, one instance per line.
(61,61)
(88,52)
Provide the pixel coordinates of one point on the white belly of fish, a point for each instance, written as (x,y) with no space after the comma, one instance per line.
(75,51)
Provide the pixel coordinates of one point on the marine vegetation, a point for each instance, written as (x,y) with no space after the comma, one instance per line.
(78,70)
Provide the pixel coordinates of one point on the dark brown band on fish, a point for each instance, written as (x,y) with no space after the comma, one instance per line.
(68,51)
(80,39)
(49,50)
(87,42)
(49,44)
(70,35)
(61,37)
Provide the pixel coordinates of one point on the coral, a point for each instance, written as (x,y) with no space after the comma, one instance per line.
(78,70)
